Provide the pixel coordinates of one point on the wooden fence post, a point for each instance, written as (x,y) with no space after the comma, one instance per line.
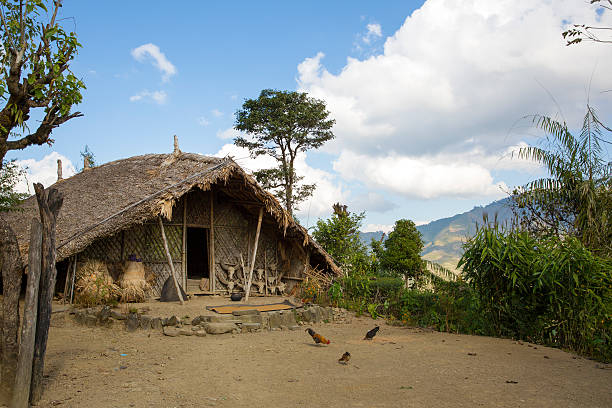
(49,203)
(23,379)
(11,265)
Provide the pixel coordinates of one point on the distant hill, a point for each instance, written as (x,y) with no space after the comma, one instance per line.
(444,238)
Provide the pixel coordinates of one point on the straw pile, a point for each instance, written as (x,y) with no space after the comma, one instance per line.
(134,285)
(94,285)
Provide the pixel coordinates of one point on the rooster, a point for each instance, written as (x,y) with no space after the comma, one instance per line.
(345,358)
(317,337)
(370,335)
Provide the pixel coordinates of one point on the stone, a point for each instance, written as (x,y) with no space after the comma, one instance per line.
(274,320)
(220,328)
(245,312)
(185,332)
(172,321)
(251,327)
(293,328)
(222,319)
(171,331)
(200,333)
(117,315)
(131,322)
(287,318)
(79,317)
(104,314)
(169,294)
(157,323)
(252,318)
(197,321)
(145,322)
(91,320)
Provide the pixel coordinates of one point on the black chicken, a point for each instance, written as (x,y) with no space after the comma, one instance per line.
(370,335)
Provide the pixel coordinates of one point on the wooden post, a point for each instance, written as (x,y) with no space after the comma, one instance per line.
(66,281)
(184,257)
(49,203)
(169,258)
(74,266)
(265,272)
(248,285)
(211,255)
(21,391)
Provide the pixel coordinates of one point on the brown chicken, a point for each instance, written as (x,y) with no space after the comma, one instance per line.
(345,358)
(317,337)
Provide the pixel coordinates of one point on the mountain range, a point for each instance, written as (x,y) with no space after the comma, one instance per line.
(444,238)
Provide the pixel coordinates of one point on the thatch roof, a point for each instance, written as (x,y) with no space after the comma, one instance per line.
(104,200)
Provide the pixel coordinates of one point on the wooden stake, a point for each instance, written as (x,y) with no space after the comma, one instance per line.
(248,286)
(169,258)
(74,266)
(212,273)
(184,257)
(265,273)
(23,379)
(49,203)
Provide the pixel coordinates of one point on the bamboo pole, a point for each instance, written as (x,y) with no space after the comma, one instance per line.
(265,273)
(66,282)
(184,254)
(169,258)
(23,379)
(74,266)
(248,286)
(211,254)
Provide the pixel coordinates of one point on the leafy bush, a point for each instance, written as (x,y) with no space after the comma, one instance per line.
(546,290)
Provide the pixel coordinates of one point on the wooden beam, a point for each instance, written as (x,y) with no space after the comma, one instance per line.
(184,254)
(23,379)
(211,254)
(169,259)
(248,286)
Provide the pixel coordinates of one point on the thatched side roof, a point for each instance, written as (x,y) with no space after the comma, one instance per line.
(114,196)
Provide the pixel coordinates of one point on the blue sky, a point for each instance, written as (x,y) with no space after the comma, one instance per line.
(428,96)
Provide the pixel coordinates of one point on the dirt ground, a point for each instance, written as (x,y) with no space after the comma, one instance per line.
(402,367)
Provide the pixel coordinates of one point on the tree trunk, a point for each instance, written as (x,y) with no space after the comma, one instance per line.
(49,203)
(21,390)
(11,288)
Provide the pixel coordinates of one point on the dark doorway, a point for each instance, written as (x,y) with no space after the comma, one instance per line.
(197,253)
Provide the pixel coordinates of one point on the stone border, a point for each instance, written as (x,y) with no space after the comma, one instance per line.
(244,321)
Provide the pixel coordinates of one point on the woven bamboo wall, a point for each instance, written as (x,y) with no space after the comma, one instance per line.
(145,242)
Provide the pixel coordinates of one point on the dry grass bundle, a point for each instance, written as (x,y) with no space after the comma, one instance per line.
(134,286)
(315,285)
(94,285)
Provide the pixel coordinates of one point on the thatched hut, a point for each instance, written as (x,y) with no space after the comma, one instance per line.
(210,209)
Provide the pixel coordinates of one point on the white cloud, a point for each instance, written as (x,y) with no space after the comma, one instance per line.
(158,97)
(458,70)
(202,121)
(328,190)
(386,228)
(420,177)
(371,201)
(374,32)
(162,63)
(229,133)
(43,171)
(217,113)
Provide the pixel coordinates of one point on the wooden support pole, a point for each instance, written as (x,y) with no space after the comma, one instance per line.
(23,379)
(248,286)
(212,270)
(169,258)
(184,254)
(265,273)
(74,267)
(49,203)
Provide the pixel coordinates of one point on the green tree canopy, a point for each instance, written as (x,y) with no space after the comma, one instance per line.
(576,198)
(400,253)
(280,124)
(10,174)
(339,236)
(35,57)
